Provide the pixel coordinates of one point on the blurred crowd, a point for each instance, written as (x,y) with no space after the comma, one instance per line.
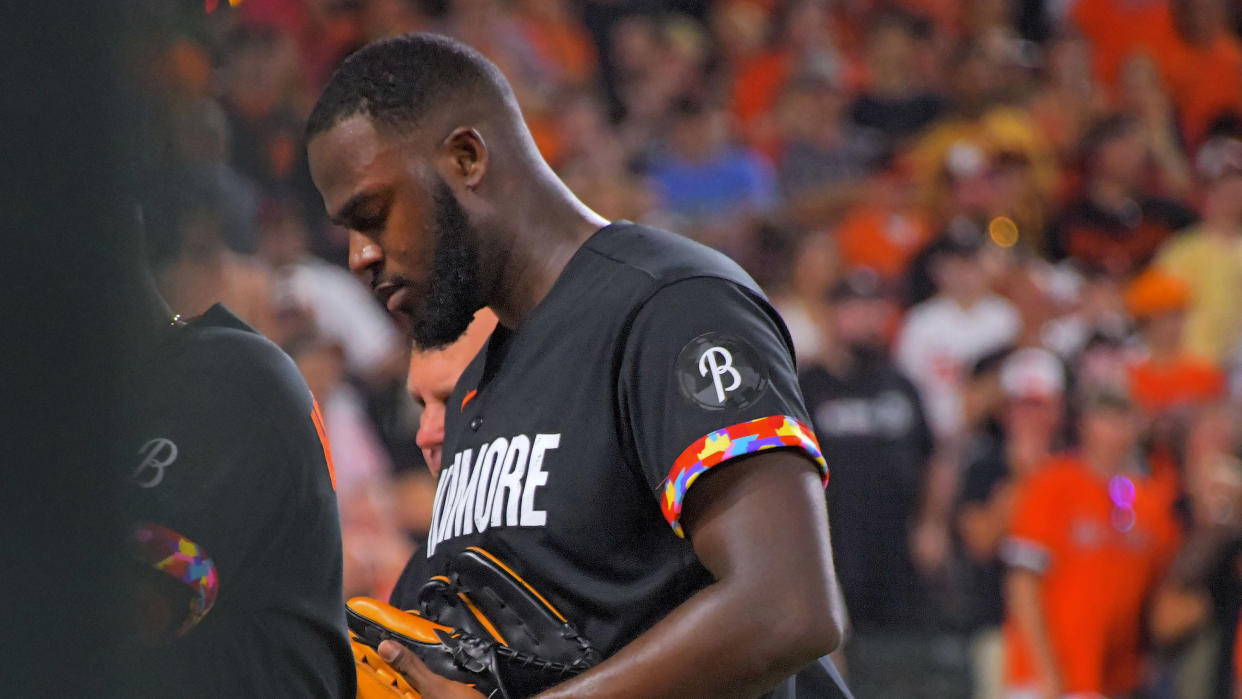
(1006,236)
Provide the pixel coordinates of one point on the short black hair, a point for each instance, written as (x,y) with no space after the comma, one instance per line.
(399,80)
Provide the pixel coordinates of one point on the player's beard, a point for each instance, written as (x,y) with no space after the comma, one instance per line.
(453,294)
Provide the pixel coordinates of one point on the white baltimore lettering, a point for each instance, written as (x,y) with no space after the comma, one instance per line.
(456,498)
(536,477)
(509,484)
(491,486)
(467,509)
(487,483)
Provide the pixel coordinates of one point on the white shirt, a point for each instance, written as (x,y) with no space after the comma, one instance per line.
(345,312)
(938,342)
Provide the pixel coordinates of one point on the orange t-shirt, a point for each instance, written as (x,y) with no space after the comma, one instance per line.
(1098,563)
(1118,28)
(757,86)
(1182,382)
(884,240)
(1201,100)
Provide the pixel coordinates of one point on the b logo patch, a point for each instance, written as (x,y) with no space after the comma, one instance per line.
(719,371)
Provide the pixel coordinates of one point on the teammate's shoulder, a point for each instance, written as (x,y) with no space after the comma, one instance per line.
(219,330)
(227,350)
(665,257)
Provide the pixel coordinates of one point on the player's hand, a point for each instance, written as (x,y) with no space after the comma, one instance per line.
(428,684)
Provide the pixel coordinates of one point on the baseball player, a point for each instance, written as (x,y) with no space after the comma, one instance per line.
(237,542)
(631,438)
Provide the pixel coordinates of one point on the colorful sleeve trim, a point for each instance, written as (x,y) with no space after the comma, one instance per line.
(774,432)
(182,559)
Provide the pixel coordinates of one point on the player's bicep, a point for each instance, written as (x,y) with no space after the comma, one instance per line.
(708,377)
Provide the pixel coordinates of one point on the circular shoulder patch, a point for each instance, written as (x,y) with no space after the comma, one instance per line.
(719,371)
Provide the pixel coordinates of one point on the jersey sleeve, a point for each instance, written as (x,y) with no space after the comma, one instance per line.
(1033,532)
(707,376)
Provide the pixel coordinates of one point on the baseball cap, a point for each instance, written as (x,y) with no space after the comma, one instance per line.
(1032,374)
(1155,292)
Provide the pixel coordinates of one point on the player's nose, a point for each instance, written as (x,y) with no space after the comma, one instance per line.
(363,252)
(430,428)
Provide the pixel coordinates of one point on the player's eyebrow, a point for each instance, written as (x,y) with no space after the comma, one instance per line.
(349,210)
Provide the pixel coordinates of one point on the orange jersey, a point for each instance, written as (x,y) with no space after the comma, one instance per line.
(1183,382)
(1100,546)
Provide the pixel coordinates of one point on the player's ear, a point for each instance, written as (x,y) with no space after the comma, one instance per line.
(466,156)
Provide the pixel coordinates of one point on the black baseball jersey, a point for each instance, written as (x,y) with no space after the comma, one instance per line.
(570,443)
(232,495)
(872,429)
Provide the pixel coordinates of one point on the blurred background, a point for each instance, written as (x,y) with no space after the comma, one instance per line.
(972,214)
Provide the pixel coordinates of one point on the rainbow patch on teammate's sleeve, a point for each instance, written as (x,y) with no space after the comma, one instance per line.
(774,432)
(176,556)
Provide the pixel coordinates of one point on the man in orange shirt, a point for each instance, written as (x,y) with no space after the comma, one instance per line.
(1089,540)
(1168,379)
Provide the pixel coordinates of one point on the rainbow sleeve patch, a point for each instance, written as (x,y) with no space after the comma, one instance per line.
(774,432)
(182,559)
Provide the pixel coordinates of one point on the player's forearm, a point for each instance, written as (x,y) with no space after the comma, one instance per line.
(723,642)
(1026,608)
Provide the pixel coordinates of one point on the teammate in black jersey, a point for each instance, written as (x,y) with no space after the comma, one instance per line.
(237,543)
(631,438)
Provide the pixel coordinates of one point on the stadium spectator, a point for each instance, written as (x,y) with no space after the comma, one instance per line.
(1208,257)
(824,158)
(1113,225)
(870,424)
(963,321)
(1143,94)
(1207,47)
(1195,612)
(1068,100)
(1117,30)
(708,185)
(804,46)
(968,188)
(1089,541)
(1032,382)
(894,102)
(1167,379)
(887,228)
